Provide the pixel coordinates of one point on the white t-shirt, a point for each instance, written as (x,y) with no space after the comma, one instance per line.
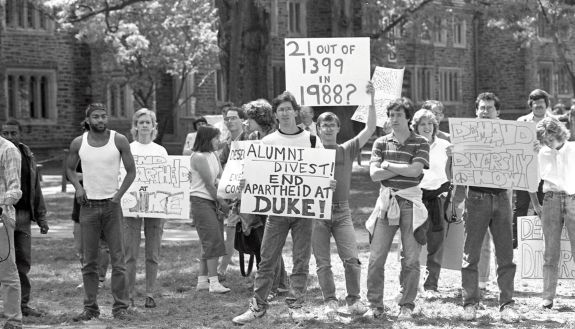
(152,148)
(556,168)
(435,176)
(299,139)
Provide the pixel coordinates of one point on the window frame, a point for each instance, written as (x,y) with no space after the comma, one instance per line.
(302,18)
(463,33)
(19,9)
(451,87)
(126,102)
(51,95)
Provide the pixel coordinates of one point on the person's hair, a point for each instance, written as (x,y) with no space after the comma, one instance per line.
(431,103)
(13,122)
(204,138)
(286,96)
(260,111)
(327,117)
(85,125)
(225,105)
(139,113)
(560,107)
(404,104)
(197,121)
(551,127)
(488,96)
(538,94)
(424,114)
(94,107)
(241,113)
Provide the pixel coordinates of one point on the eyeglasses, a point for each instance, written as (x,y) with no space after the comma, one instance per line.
(285,109)
(326,127)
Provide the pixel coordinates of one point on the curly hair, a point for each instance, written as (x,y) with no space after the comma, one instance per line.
(551,127)
(260,111)
(424,114)
(402,103)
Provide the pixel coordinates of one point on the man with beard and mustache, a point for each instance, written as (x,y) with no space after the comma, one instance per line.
(100,151)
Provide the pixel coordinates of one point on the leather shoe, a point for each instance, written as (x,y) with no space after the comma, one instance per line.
(28,311)
(150,303)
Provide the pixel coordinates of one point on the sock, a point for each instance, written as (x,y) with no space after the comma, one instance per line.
(214,280)
(202,278)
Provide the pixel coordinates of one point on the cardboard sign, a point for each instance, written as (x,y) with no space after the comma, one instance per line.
(161,188)
(494,153)
(328,71)
(229,186)
(387,83)
(532,246)
(288,181)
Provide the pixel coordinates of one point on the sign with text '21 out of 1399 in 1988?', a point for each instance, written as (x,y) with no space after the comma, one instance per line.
(328,71)
(494,153)
(288,181)
(161,188)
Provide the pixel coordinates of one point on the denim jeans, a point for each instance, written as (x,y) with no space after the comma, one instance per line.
(484,266)
(558,210)
(153,230)
(379,249)
(104,259)
(485,211)
(280,276)
(23,252)
(103,217)
(434,255)
(9,274)
(341,227)
(275,234)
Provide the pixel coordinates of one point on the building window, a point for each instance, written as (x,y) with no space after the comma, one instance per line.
(26,15)
(279,78)
(406,90)
(186,98)
(274,18)
(459,33)
(221,91)
(393,36)
(119,99)
(31,94)
(450,85)
(545,77)
(423,83)
(564,85)
(439,32)
(426,32)
(544,31)
(297,18)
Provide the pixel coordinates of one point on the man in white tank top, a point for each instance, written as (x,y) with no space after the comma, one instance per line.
(100,151)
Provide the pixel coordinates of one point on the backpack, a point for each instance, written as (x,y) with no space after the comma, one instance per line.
(250,245)
(312,140)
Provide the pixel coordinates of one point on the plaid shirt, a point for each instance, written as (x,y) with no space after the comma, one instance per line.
(10,193)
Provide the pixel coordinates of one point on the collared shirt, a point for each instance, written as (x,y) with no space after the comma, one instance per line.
(556,168)
(531,118)
(435,176)
(414,149)
(10,192)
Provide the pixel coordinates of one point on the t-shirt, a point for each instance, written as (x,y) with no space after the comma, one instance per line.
(345,154)
(435,176)
(388,148)
(557,168)
(299,139)
(152,148)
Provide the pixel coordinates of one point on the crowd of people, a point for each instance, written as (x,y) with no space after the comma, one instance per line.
(411,161)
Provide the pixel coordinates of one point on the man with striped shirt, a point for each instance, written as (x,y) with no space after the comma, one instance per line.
(397,161)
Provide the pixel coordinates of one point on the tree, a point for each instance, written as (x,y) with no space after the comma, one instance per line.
(147,39)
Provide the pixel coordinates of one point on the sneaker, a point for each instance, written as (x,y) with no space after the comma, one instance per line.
(373,313)
(469,312)
(80,286)
(217,288)
(150,302)
(482,285)
(28,311)
(12,325)
(398,297)
(547,304)
(330,309)
(282,291)
(357,308)
(86,316)
(272,296)
(431,294)
(405,313)
(122,314)
(509,314)
(203,286)
(251,314)
(102,285)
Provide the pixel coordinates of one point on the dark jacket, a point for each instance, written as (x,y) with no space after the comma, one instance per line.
(37,205)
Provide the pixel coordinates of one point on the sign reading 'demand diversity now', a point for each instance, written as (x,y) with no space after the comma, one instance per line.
(288,181)
(532,246)
(387,84)
(229,186)
(328,71)
(161,188)
(494,153)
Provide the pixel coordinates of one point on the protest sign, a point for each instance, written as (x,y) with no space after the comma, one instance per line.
(327,71)
(494,153)
(531,247)
(229,188)
(387,84)
(288,181)
(161,188)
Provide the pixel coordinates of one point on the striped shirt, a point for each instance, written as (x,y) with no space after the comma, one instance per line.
(10,192)
(388,148)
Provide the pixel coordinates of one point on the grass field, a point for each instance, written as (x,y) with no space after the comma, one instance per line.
(56,273)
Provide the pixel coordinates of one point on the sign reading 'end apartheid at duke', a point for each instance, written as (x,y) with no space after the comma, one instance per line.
(161,188)
(531,248)
(494,153)
(328,71)
(288,181)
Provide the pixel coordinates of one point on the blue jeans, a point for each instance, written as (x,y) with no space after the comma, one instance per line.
(379,249)
(9,274)
(103,217)
(341,227)
(493,211)
(153,230)
(23,249)
(275,234)
(558,210)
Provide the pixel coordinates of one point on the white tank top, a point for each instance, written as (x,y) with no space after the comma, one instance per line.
(100,168)
(197,186)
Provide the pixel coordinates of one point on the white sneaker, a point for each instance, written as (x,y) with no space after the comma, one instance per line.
(398,297)
(248,316)
(431,294)
(547,304)
(80,286)
(373,313)
(404,314)
(203,286)
(330,309)
(469,313)
(217,288)
(357,308)
(509,314)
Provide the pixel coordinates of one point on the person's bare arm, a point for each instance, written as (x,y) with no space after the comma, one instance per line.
(408,170)
(128,160)
(371,123)
(71,164)
(378,174)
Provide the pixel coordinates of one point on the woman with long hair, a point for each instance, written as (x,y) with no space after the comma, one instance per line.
(205,171)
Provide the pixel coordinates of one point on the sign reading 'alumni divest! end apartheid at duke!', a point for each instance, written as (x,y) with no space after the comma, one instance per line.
(288,181)
(161,188)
